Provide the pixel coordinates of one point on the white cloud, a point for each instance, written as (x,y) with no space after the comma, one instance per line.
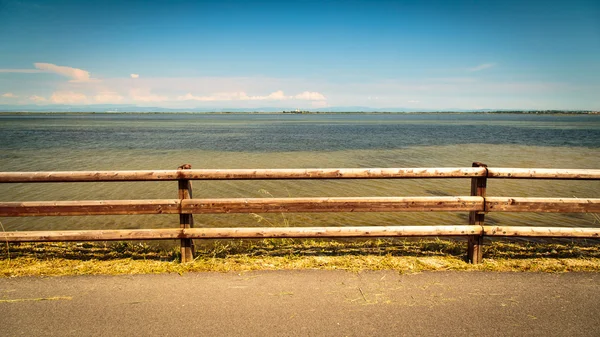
(108,97)
(36,98)
(221,96)
(135,75)
(232,96)
(278,95)
(310,96)
(414,101)
(68,97)
(482,67)
(150,98)
(190,97)
(140,95)
(9,95)
(319,104)
(255,92)
(76,75)
(274,96)
(25,71)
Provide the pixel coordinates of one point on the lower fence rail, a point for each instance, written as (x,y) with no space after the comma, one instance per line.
(296,232)
(541,232)
(239,233)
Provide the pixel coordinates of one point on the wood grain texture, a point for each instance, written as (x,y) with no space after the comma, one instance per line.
(295,232)
(240,174)
(90,207)
(186,220)
(331,232)
(527,231)
(237,233)
(380,204)
(475,242)
(332,173)
(555,205)
(92,235)
(540,173)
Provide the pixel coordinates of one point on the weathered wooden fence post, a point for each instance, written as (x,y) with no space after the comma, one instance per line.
(186,220)
(478,187)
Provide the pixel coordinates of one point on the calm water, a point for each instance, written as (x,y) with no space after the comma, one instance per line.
(165,141)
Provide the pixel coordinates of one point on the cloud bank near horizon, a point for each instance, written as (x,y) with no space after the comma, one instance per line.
(242,96)
(81,88)
(76,86)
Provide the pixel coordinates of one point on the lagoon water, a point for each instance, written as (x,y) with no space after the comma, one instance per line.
(164,141)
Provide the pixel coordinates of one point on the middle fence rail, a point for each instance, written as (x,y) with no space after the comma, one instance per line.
(477,204)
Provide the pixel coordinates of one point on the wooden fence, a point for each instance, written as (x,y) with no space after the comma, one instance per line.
(477,204)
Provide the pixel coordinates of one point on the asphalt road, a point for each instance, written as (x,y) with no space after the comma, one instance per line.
(303,303)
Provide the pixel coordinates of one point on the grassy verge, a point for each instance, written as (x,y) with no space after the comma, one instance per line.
(55,259)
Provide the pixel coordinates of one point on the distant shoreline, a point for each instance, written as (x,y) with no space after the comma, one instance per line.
(541,112)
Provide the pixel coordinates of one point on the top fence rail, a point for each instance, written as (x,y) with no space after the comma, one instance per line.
(332,173)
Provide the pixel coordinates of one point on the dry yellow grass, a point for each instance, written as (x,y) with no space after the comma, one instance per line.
(56,259)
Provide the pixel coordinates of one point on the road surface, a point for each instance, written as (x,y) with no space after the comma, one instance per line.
(303,303)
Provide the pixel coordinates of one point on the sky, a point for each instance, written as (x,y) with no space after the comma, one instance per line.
(302,54)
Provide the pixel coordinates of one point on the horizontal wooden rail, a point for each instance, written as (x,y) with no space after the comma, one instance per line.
(265,174)
(241,174)
(556,205)
(537,173)
(239,233)
(241,205)
(380,204)
(90,207)
(545,232)
(299,205)
(295,232)
(92,235)
(330,232)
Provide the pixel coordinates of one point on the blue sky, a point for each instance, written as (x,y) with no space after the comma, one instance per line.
(302,54)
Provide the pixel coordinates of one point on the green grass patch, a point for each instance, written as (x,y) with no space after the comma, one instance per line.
(405,256)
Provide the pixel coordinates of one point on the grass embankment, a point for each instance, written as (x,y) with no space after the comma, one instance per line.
(55,259)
